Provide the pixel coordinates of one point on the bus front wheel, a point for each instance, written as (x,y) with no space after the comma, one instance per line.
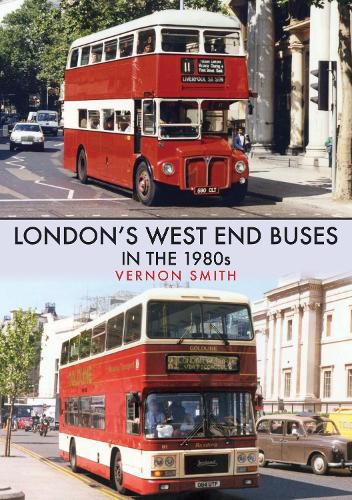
(82,167)
(73,456)
(117,474)
(147,189)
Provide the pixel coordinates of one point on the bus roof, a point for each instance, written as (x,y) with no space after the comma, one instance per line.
(194,294)
(170,17)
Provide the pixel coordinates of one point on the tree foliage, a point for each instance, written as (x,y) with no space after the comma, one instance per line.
(34,40)
(19,354)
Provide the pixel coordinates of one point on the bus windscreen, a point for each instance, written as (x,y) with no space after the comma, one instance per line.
(191,320)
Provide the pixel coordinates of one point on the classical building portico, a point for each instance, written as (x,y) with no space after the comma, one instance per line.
(304,342)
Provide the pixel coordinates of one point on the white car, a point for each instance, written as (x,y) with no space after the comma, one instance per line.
(27,135)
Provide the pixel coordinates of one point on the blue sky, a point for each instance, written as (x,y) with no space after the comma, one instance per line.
(69,294)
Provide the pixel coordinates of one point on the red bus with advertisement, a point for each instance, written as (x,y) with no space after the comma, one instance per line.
(157,395)
(146,105)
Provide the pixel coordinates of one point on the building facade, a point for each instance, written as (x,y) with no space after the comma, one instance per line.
(304,342)
(284,45)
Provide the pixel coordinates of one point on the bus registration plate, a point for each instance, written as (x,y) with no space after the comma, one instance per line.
(206,190)
(207,484)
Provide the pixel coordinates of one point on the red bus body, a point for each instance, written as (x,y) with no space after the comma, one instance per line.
(143,369)
(202,165)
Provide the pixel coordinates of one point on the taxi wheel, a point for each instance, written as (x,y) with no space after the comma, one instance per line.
(82,167)
(261,459)
(147,189)
(12,147)
(319,464)
(117,473)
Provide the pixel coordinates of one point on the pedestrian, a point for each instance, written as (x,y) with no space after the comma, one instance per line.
(328,146)
(247,144)
(238,142)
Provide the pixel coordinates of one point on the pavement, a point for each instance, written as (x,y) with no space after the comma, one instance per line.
(39,480)
(283,179)
(35,185)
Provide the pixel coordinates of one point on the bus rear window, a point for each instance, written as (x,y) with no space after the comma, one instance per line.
(219,42)
(177,40)
(110,49)
(74,59)
(126,46)
(85,56)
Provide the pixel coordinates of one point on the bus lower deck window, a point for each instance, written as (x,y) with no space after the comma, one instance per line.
(108,119)
(123,120)
(94,119)
(82,118)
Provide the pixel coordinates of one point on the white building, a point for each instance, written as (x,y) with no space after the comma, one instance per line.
(304,343)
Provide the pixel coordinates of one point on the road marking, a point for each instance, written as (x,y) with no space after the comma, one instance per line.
(102,489)
(15,164)
(45,215)
(12,216)
(62,199)
(59,144)
(184,215)
(96,215)
(69,215)
(124,215)
(71,192)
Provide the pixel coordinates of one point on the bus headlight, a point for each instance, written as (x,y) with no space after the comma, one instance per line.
(241,458)
(158,461)
(168,168)
(240,167)
(169,461)
(252,458)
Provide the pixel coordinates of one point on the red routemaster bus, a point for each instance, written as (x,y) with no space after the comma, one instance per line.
(157,395)
(146,105)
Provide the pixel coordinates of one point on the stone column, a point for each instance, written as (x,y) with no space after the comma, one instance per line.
(319,50)
(296,113)
(270,359)
(277,359)
(296,357)
(260,29)
(310,352)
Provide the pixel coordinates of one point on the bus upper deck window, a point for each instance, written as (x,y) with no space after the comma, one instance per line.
(220,42)
(178,40)
(98,339)
(96,54)
(110,49)
(133,324)
(74,348)
(74,58)
(85,56)
(126,46)
(146,42)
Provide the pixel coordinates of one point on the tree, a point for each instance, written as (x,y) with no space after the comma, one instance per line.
(343,188)
(19,354)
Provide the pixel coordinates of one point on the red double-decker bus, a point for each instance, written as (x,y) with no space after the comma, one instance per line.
(157,395)
(146,105)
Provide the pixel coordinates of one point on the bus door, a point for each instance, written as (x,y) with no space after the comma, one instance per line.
(148,126)
(137,125)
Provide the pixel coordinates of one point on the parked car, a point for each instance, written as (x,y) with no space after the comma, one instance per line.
(27,134)
(24,423)
(304,440)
